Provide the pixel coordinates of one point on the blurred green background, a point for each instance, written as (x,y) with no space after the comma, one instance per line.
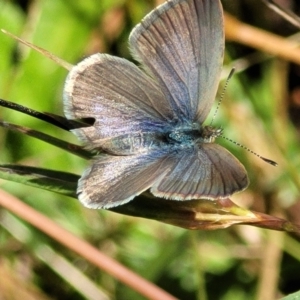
(260,110)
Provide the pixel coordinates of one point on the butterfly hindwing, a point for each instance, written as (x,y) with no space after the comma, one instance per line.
(208,172)
(114,180)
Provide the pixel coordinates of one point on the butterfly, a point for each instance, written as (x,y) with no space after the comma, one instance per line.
(149,119)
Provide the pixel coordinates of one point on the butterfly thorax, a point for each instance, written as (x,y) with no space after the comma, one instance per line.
(178,138)
(192,136)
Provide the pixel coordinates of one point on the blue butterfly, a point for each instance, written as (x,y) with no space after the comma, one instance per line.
(149,120)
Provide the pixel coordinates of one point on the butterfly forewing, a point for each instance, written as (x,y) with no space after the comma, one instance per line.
(181,44)
(118,95)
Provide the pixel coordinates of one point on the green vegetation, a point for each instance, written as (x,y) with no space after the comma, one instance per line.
(259,111)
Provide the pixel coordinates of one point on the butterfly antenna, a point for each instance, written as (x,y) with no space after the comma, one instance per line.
(222,94)
(269,161)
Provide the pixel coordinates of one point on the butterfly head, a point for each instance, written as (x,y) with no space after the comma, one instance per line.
(209,134)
